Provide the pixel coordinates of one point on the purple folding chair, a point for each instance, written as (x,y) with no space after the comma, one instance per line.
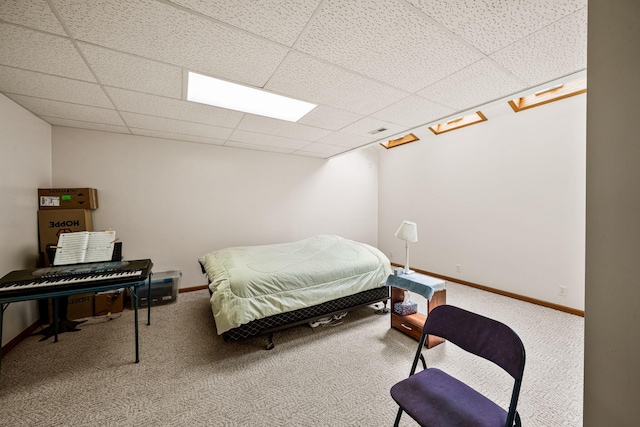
(434,398)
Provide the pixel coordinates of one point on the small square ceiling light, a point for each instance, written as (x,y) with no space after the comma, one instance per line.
(220,93)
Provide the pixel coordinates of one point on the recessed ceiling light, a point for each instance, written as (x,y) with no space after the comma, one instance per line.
(400,141)
(220,93)
(550,94)
(458,123)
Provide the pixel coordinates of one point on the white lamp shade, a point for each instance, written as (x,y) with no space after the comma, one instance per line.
(408,231)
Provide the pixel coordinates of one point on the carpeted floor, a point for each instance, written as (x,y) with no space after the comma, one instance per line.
(327,376)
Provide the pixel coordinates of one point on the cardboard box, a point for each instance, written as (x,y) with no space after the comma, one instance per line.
(164,289)
(52,223)
(79,306)
(67,198)
(108,302)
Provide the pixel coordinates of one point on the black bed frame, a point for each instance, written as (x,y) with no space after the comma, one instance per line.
(272,324)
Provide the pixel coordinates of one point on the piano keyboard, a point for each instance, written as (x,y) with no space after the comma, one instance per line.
(70,280)
(24,283)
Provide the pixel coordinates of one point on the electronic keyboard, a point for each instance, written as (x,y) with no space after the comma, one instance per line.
(23,283)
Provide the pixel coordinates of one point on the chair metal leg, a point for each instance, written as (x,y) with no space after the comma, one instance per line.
(397,423)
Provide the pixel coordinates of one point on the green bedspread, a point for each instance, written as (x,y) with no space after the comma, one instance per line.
(252,282)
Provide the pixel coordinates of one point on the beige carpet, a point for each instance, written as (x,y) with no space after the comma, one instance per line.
(330,376)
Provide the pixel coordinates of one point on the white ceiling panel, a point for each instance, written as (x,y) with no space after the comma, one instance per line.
(278,20)
(270,148)
(413,111)
(324,150)
(365,126)
(177,136)
(171,35)
(398,64)
(133,72)
(260,139)
(31,13)
(309,79)
(162,124)
(33,50)
(329,118)
(86,125)
(347,139)
(152,105)
(481,82)
(283,128)
(65,110)
(21,82)
(384,40)
(537,59)
(490,25)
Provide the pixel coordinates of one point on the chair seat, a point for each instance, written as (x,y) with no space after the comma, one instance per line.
(434,398)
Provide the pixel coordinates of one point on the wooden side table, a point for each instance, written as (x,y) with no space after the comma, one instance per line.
(432,288)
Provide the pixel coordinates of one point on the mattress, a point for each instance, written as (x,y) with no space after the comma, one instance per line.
(254,282)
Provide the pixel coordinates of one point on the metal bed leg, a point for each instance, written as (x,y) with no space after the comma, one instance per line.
(270,344)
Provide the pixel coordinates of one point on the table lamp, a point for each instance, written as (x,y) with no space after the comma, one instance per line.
(408,232)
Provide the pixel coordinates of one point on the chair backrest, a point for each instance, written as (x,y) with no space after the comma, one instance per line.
(479,335)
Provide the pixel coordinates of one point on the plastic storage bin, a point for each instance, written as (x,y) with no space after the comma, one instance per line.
(164,289)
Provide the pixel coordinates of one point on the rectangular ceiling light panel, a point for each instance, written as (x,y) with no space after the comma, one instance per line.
(220,93)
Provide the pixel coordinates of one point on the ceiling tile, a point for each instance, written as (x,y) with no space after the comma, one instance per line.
(325,150)
(33,13)
(306,78)
(64,110)
(364,126)
(329,118)
(260,139)
(177,136)
(133,72)
(36,51)
(22,82)
(386,41)
(85,125)
(348,140)
(477,84)
(278,20)
(175,126)
(283,128)
(171,35)
(552,52)
(236,144)
(152,105)
(413,111)
(491,25)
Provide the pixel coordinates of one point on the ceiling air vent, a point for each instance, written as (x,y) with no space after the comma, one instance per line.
(373,132)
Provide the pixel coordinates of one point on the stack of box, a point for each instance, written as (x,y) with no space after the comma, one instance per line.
(66,210)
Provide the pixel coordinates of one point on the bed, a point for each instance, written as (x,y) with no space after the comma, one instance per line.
(262,289)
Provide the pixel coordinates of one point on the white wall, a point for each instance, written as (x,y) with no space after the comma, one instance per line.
(25,165)
(612,317)
(504,199)
(175,201)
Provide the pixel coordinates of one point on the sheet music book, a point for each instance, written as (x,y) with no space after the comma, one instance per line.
(84,246)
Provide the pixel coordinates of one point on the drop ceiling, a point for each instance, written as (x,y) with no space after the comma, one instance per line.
(121,65)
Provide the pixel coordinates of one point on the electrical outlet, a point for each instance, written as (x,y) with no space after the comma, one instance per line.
(457,268)
(562,291)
